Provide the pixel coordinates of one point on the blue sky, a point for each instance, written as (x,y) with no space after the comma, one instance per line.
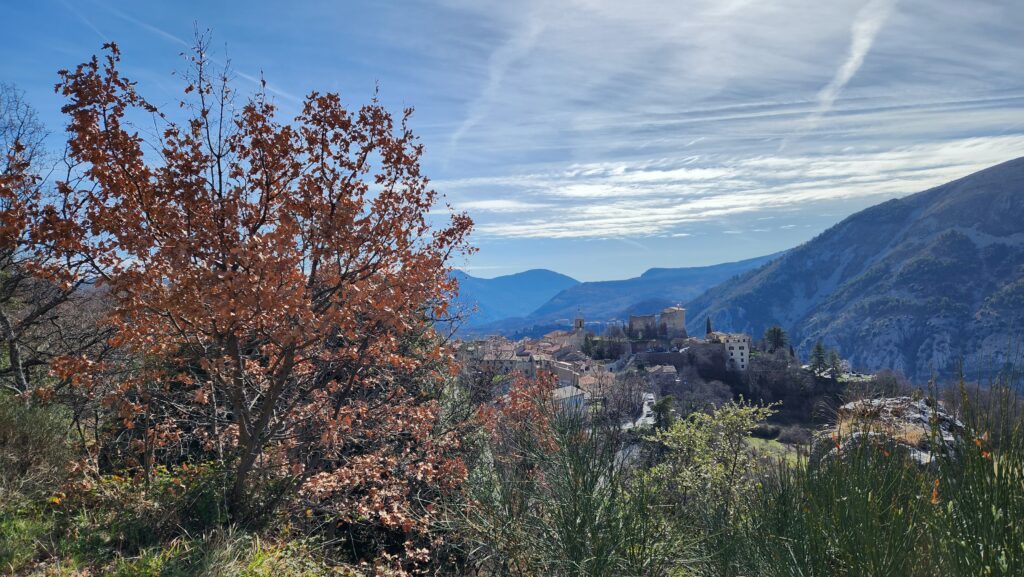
(601,138)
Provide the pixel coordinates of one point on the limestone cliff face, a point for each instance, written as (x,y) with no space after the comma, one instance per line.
(915,284)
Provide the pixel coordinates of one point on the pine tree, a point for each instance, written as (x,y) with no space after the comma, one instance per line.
(819,360)
(664,414)
(589,347)
(709,331)
(835,364)
(775,338)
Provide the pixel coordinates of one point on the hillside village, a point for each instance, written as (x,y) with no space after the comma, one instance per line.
(588,368)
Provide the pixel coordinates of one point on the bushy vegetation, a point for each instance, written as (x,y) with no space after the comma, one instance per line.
(552,491)
(228,321)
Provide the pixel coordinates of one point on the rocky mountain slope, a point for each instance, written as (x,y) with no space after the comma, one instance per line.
(914,284)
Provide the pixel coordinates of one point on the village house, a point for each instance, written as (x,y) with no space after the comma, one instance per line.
(736,346)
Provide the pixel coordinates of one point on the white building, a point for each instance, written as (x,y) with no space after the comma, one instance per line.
(736,347)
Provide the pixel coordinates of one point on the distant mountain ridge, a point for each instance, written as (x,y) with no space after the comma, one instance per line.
(914,284)
(650,292)
(514,295)
(604,301)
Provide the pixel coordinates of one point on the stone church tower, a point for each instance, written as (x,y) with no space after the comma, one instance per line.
(579,333)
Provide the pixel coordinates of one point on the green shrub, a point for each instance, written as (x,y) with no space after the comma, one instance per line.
(870,510)
(706,459)
(34,457)
(707,465)
(557,496)
(119,515)
(861,513)
(228,553)
(34,451)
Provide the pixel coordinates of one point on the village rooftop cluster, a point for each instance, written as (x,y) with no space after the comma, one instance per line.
(588,367)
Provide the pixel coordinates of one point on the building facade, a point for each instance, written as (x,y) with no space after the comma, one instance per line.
(673,323)
(643,327)
(736,347)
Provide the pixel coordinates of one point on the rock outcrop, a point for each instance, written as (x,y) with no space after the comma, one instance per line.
(921,428)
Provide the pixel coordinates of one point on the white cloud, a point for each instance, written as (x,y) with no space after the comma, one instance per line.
(615,203)
(500,205)
(167,36)
(509,53)
(636,119)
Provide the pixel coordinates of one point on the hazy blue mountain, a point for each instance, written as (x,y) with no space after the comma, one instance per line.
(603,301)
(914,284)
(648,293)
(513,295)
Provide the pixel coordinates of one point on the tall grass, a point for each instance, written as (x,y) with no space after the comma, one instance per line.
(980,527)
(34,452)
(573,498)
(864,513)
(869,510)
(564,501)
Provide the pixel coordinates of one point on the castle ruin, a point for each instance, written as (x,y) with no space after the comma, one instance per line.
(670,324)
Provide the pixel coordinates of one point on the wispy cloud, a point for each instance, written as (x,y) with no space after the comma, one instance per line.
(635,201)
(591,121)
(657,119)
(514,49)
(866,26)
(88,23)
(174,39)
(147,26)
(501,205)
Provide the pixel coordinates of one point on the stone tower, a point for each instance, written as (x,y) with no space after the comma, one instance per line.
(673,319)
(579,333)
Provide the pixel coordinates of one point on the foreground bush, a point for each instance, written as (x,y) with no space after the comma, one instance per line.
(34,453)
(864,513)
(867,509)
(264,298)
(554,493)
(167,526)
(221,553)
(980,525)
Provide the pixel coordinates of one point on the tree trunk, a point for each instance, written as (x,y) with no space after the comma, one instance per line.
(237,499)
(14,354)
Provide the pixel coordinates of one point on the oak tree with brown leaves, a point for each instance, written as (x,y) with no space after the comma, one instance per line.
(276,283)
